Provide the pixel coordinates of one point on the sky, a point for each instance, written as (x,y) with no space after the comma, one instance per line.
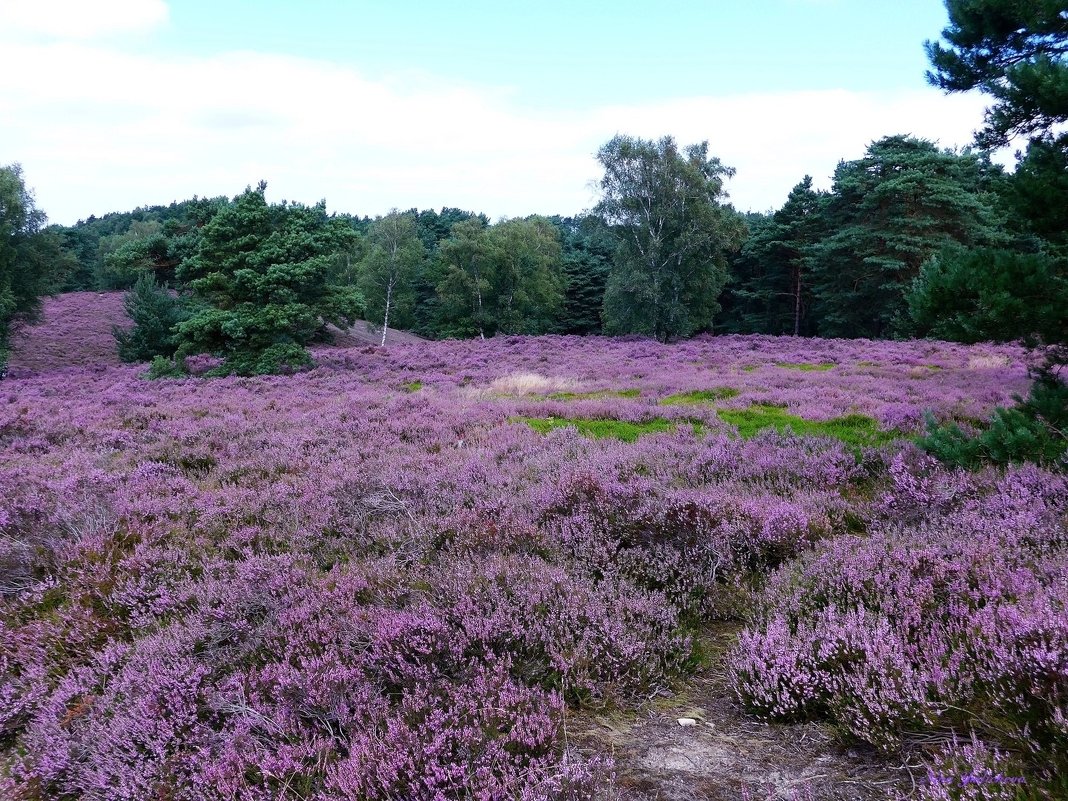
(497,107)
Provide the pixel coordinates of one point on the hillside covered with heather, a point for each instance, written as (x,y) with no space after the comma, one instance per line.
(509,565)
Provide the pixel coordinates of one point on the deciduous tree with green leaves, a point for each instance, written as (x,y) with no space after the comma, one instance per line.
(465,282)
(528,281)
(394,256)
(259,284)
(673,234)
(505,278)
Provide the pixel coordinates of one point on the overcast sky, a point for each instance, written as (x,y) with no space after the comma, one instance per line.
(490,106)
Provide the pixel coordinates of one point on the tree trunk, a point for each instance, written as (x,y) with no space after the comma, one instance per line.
(385,318)
(478,292)
(797,303)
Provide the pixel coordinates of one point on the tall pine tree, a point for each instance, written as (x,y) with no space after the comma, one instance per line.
(887,213)
(772,293)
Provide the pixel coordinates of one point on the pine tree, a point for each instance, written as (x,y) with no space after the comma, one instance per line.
(1016,51)
(259,284)
(887,213)
(773,293)
(988,294)
(155,312)
(587,250)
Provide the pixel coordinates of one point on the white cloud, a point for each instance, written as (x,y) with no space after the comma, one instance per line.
(773,140)
(100,130)
(79,19)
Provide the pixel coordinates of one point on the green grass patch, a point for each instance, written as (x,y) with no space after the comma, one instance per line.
(599,429)
(699,396)
(412,386)
(606,393)
(807,367)
(855,430)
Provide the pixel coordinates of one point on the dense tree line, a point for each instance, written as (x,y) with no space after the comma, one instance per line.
(842,263)
(910,240)
(883,253)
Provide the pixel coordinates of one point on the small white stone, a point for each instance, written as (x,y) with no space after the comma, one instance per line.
(687,722)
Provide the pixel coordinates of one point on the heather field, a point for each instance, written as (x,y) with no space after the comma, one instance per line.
(503,569)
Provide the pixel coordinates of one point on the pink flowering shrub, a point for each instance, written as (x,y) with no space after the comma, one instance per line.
(589,638)
(75,332)
(973,771)
(339,584)
(961,619)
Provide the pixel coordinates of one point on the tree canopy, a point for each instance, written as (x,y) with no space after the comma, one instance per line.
(259,284)
(528,275)
(587,247)
(673,234)
(395,253)
(989,294)
(1016,52)
(886,214)
(773,292)
(504,278)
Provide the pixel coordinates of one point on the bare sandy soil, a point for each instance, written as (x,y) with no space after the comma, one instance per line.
(727,755)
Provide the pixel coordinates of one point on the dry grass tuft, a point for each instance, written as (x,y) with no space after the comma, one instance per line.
(523,383)
(987,362)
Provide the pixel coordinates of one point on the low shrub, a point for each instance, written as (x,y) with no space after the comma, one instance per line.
(1034,430)
(959,621)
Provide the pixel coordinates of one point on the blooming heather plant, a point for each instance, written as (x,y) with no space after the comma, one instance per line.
(963,771)
(960,618)
(369,580)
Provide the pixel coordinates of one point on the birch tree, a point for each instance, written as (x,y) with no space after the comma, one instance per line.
(673,235)
(394,255)
(465,290)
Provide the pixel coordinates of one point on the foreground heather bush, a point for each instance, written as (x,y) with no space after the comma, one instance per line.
(594,640)
(267,689)
(961,620)
(972,770)
(693,545)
